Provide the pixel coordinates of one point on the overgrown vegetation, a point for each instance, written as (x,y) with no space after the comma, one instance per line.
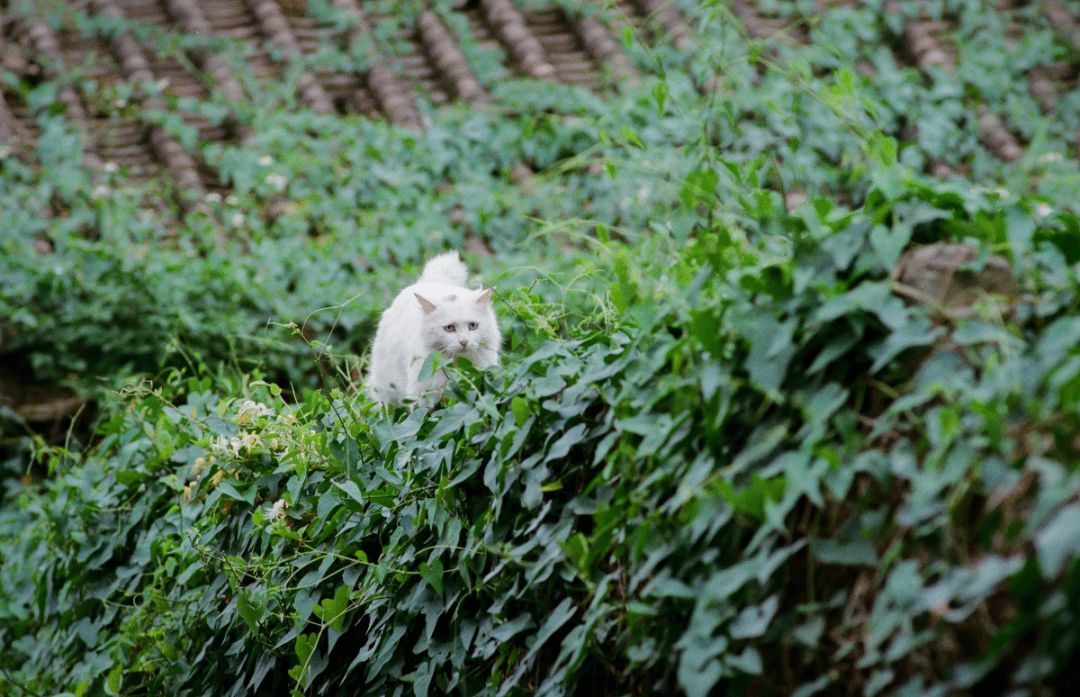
(729,450)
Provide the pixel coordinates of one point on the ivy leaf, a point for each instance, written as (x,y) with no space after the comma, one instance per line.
(749,661)
(332,610)
(115,680)
(918,332)
(422,679)
(576,549)
(753,621)
(857,552)
(1020,227)
(305,644)
(520,408)
(813,687)
(304,647)
(249,610)
(1058,542)
(889,243)
(304,603)
(432,572)
(561,447)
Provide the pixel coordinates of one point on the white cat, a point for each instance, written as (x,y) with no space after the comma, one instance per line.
(437,313)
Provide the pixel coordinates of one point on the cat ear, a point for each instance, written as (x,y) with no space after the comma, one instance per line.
(426,305)
(485,297)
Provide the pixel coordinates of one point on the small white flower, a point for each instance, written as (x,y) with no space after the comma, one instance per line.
(213,197)
(231,199)
(225,446)
(162,83)
(1048,157)
(1002,192)
(266,161)
(110,167)
(250,440)
(1043,210)
(101,191)
(278,182)
(232,446)
(237,219)
(120,103)
(250,409)
(277,510)
(262,409)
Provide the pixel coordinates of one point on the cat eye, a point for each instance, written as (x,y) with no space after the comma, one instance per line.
(473,326)
(450,328)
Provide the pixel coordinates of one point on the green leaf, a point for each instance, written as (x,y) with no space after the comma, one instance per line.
(432,572)
(659,93)
(561,447)
(772,346)
(328,501)
(115,680)
(749,661)
(750,500)
(558,616)
(1058,542)
(1020,228)
(352,490)
(304,603)
(305,645)
(247,496)
(249,610)
(699,186)
(422,679)
(431,365)
(919,332)
(878,681)
(382,496)
(857,552)
(753,621)
(332,610)
(889,244)
(632,137)
(576,549)
(520,408)
(813,687)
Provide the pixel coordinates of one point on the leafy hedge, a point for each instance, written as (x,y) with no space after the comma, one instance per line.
(754,469)
(725,453)
(362,198)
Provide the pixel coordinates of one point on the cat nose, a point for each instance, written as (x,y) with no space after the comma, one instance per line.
(463,342)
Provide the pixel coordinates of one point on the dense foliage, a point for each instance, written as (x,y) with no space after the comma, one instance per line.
(726,451)
(755,456)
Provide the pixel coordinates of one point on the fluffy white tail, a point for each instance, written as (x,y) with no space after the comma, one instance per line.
(445,268)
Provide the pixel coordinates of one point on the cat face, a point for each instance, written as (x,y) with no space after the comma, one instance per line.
(458,323)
